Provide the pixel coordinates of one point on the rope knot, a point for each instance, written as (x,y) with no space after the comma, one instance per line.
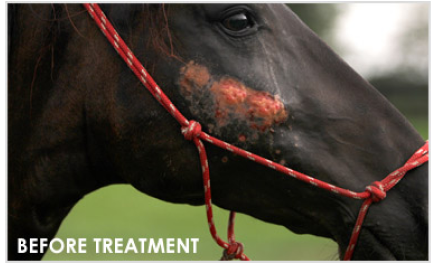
(377,191)
(192,130)
(235,250)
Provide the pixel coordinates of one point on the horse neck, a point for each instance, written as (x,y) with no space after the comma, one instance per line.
(49,168)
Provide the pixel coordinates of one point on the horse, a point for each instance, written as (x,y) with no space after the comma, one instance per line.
(252,74)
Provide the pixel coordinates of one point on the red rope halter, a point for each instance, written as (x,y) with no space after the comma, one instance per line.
(191,130)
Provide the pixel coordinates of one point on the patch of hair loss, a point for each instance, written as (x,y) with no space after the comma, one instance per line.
(194,76)
(260,108)
(224,101)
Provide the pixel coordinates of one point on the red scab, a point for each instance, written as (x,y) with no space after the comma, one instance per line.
(259,108)
(193,76)
(232,91)
(264,104)
(231,100)
(242,138)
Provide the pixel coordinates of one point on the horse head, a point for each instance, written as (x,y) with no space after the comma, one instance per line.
(252,75)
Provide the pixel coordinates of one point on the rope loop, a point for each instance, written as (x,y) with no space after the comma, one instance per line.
(192,130)
(377,191)
(235,250)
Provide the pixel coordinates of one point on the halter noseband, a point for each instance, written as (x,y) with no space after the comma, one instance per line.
(191,130)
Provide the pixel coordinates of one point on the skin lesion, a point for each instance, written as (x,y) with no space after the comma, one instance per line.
(261,109)
(193,78)
(229,101)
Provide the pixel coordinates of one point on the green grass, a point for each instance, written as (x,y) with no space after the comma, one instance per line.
(420,124)
(121,211)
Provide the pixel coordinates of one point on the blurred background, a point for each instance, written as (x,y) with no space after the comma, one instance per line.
(387,43)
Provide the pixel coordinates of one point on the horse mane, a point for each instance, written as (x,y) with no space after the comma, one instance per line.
(42,32)
(160,33)
(154,19)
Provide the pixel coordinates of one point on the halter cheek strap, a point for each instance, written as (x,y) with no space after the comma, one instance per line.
(191,130)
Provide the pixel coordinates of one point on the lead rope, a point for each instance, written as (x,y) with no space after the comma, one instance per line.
(191,130)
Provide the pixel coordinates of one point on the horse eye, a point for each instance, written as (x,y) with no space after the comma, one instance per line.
(237,22)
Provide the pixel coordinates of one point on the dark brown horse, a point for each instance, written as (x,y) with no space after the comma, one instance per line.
(253,75)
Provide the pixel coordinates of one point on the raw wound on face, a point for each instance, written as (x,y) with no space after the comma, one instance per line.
(260,108)
(232,99)
(194,76)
